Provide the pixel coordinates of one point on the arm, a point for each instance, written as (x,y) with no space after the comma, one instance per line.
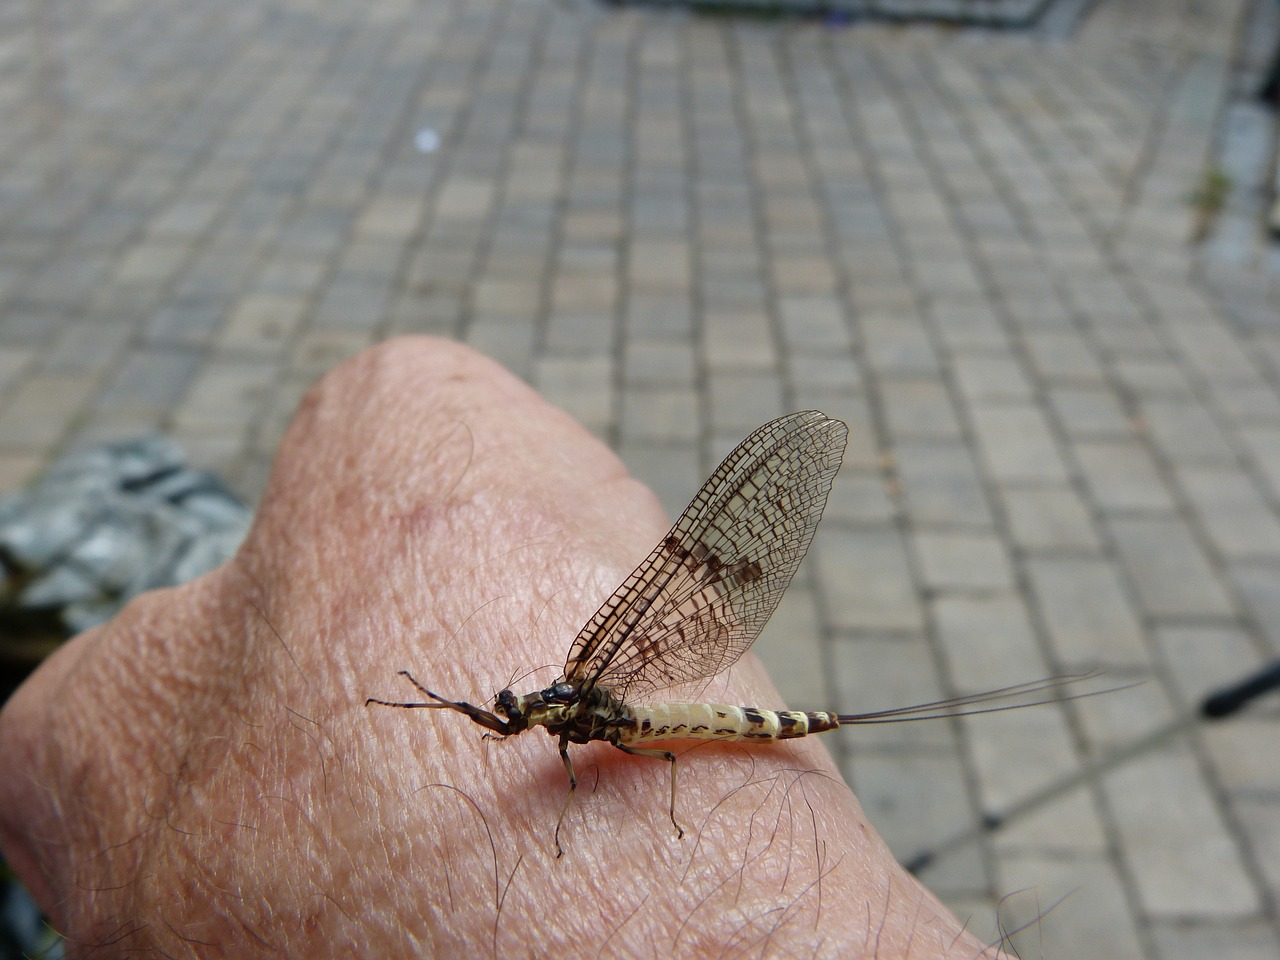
(202,774)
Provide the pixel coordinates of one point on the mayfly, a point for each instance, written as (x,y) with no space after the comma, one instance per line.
(692,608)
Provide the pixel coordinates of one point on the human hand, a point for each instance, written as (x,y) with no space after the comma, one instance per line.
(201,776)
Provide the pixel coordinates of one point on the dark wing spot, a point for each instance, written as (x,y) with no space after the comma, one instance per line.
(744,571)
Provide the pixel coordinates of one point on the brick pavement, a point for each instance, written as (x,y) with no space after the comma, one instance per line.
(1065,447)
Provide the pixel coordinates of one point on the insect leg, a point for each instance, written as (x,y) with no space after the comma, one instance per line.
(490,721)
(671,759)
(573,785)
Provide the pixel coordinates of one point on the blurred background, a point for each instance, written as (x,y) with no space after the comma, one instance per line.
(1024,249)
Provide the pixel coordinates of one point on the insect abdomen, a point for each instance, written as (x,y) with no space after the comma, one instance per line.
(717,721)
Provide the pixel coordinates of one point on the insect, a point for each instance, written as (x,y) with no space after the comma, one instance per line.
(692,608)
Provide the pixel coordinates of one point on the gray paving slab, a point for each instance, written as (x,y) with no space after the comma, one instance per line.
(974,247)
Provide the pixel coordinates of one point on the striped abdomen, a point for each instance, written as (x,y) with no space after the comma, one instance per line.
(717,721)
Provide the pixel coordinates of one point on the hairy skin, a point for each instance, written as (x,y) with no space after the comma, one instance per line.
(201,777)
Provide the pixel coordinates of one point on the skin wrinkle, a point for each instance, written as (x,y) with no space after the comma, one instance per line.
(273,811)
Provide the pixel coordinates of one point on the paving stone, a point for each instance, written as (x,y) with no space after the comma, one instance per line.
(1170,572)
(390,215)
(151,378)
(941,483)
(226,394)
(351,304)
(315,352)
(1240,752)
(1202,659)
(40,411)
(186,218)
(1229,941)
(740,402)
(1257,585)
(1122,476)
(152,263)
(1238,521)
(580,386)
(813,323)
(830,372)
(1125,716)
(1087,902)
(911,819)
(919,409)
(374,261)
(1062,356)
(738,340)
(580,332)
(660,415)
(1212,352)
(1258,817)
(962,560)
(988,641)
(987,377)
(506,298)
(86,347)
(878,672)
(1017,444)
(897,344)
(672,471)
(1263,445)
(261,324)
(658,363)
(184,323)
(1049,517)
(1183,860)
(216,447)
(1247,402)
(968,326)
(864,579)
(1125,339)
(1185,432)
(510,342)
(1087,412)
(792,650)
(1147,378)
(1069,825)
(1089,618)
(1018,754)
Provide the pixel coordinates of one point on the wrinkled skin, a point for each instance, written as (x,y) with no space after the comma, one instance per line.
(201,776)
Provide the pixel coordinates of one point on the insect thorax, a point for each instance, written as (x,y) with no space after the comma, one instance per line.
(565,710)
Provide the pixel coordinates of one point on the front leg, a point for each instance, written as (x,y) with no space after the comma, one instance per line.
(490,721)
(671,759)
(573,785)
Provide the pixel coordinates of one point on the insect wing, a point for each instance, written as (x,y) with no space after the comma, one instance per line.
(701,598)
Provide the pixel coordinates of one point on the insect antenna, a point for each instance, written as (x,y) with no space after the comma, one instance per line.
(518,677)
(982,702)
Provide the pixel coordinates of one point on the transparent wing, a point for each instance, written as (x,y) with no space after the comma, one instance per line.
(701,598)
